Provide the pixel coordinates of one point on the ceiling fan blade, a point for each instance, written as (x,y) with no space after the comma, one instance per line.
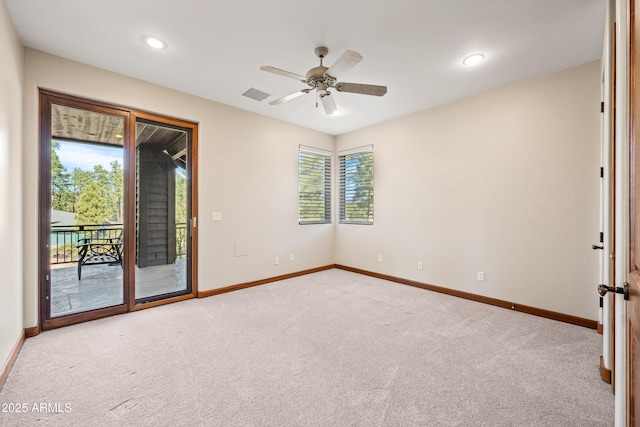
(284,73)
(289,97)
(347,61)
(362,89)
(328,103)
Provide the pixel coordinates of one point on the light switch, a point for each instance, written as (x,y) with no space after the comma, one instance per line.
(216,216)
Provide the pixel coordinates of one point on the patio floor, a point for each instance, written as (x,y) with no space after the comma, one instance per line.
(101,285)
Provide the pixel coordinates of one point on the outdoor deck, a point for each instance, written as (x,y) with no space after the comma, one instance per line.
(101,285)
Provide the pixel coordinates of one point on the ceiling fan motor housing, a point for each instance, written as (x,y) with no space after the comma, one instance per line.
(316,76)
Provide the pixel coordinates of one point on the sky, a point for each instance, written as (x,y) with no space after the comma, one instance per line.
(86,156)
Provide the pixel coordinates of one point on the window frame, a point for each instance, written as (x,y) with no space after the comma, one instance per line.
(342,184)
(320,156)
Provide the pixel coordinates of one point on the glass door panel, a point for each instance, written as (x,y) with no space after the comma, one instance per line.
(162,211)
(116,203)
(85,236)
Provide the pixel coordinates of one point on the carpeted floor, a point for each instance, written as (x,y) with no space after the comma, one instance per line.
(328,349)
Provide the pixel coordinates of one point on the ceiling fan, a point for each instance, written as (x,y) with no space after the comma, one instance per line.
(323,78)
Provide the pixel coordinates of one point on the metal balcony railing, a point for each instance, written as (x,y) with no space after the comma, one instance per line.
(181,239)
(64,239)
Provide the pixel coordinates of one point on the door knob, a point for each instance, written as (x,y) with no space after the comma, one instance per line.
(594,247)
(603,289)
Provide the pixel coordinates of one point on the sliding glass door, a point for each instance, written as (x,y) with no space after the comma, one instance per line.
(116,210)
(82,210)
(163,210)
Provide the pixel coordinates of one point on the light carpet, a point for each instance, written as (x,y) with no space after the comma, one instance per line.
(332,348)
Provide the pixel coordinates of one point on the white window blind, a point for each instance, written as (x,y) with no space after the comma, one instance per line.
(356,186)
(314,186)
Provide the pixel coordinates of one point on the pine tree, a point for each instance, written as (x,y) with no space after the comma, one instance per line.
(62,198)
(181,198)
(92,206)
(80,179)
(116,183)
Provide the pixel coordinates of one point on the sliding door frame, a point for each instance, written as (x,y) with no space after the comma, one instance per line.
(192,236)
(47,99)
(129,115)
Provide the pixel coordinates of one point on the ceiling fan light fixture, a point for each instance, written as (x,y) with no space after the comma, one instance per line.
(473,59)
(328,103)
(154,42)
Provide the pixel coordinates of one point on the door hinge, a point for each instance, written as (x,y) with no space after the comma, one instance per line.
(602,107)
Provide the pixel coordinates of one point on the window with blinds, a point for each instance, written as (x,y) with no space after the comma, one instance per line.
(356,186)
(314,186)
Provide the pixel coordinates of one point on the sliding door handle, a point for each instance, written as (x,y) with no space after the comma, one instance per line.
(603,289)
(594,247)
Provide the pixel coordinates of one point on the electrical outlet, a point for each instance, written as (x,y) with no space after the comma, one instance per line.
(420,265)
(290,257)
(277,261)
(481,276)
(379,258)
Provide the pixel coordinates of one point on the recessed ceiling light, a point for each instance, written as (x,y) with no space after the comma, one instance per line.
(154,42)
(474,59)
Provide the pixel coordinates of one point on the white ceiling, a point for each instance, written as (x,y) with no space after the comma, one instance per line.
(415,47)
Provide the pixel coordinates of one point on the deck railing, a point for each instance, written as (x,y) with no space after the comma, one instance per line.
(64,239)
(181,240)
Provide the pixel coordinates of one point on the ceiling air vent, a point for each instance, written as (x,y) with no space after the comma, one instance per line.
(256,94)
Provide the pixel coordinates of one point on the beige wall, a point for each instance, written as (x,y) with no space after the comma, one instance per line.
(505,182)
(248,172)
(10,185)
